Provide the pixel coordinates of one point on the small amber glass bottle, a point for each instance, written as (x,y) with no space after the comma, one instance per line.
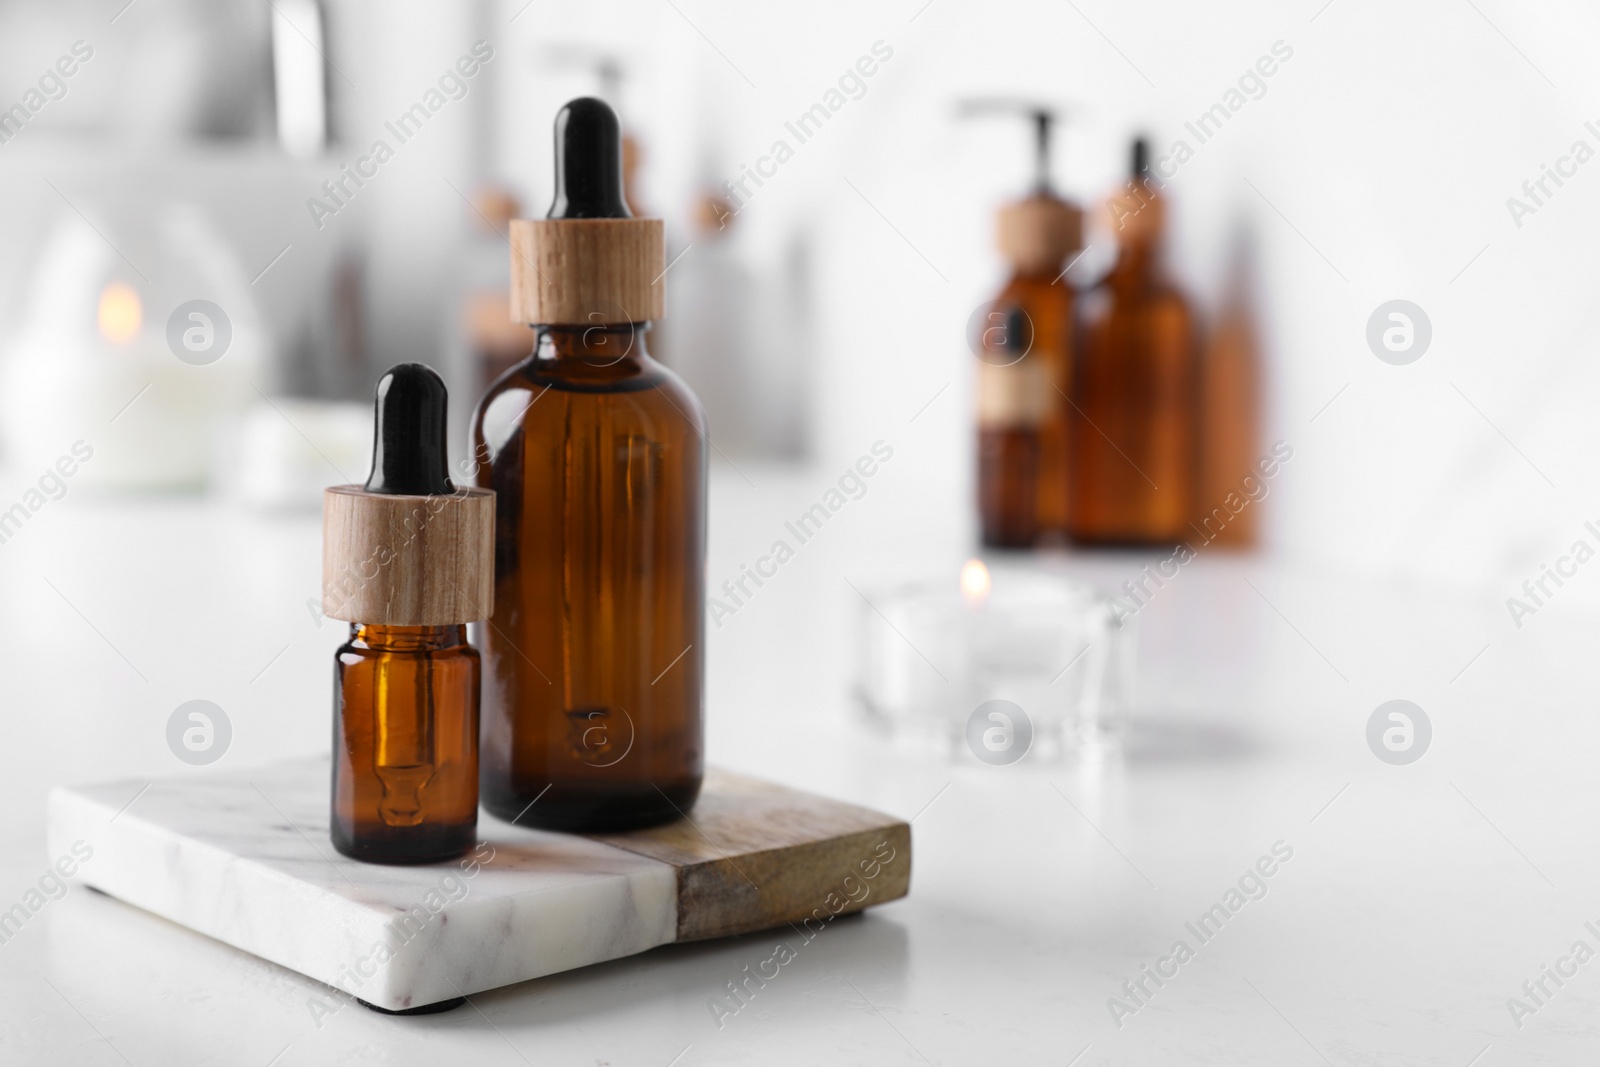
(1025,348)
(406,743)
(1133,435)
(594,655)
(406,560)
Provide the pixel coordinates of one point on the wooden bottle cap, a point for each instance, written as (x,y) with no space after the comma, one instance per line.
(1039,233)
(587,271)
(1137,214)
(396,559)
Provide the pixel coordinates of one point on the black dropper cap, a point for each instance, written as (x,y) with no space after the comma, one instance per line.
(588,162)
(409,454)
(1141,158)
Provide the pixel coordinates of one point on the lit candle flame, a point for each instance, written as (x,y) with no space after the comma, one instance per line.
(975,583)
(120,314)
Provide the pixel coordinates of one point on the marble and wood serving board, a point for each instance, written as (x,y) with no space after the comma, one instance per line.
(247,860)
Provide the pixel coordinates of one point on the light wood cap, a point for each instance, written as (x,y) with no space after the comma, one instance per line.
(400,560)
(587,271)
(1039,233)
(1136,214)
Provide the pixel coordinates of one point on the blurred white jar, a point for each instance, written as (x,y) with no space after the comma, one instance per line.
(287,450)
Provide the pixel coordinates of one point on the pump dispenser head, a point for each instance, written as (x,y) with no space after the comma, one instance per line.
(589,262)
(408,548)
(1038,232)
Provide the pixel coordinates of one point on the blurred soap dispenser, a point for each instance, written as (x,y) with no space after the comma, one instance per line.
(139,333)
(1024,342)
(1134,448)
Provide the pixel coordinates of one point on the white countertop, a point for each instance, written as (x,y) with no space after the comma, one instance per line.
(1417,899)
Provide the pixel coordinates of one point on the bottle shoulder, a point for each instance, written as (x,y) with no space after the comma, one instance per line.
(1050,307)
(1110,298)
(633,371)
(1037,289)
(440,642)
(525,392)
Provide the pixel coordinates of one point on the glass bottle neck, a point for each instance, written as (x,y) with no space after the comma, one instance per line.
(1138,263)
(591,348)
(408,638)
(1046,275)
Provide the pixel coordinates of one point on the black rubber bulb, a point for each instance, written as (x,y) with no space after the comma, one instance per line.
(409,453)
(1141,157)
(588,162)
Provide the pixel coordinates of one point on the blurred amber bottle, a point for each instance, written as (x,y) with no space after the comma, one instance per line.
(495,343)
(594,656)
(407,561)
(1227,512)
(1024,342)
(1134,446)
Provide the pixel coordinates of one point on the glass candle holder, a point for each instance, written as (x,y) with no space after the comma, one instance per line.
(95,330)
(934,657)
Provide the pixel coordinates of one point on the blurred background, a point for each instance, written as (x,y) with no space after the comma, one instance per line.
(219,223)
(222,223)
(1373,166)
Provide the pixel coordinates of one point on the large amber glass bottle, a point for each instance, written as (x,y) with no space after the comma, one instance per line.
(594,656)
(1133,430)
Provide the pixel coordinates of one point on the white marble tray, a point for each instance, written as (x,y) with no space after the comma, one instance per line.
(247,860)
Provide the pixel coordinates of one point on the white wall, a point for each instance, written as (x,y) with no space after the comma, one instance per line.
(1386,146)
(1376,166)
